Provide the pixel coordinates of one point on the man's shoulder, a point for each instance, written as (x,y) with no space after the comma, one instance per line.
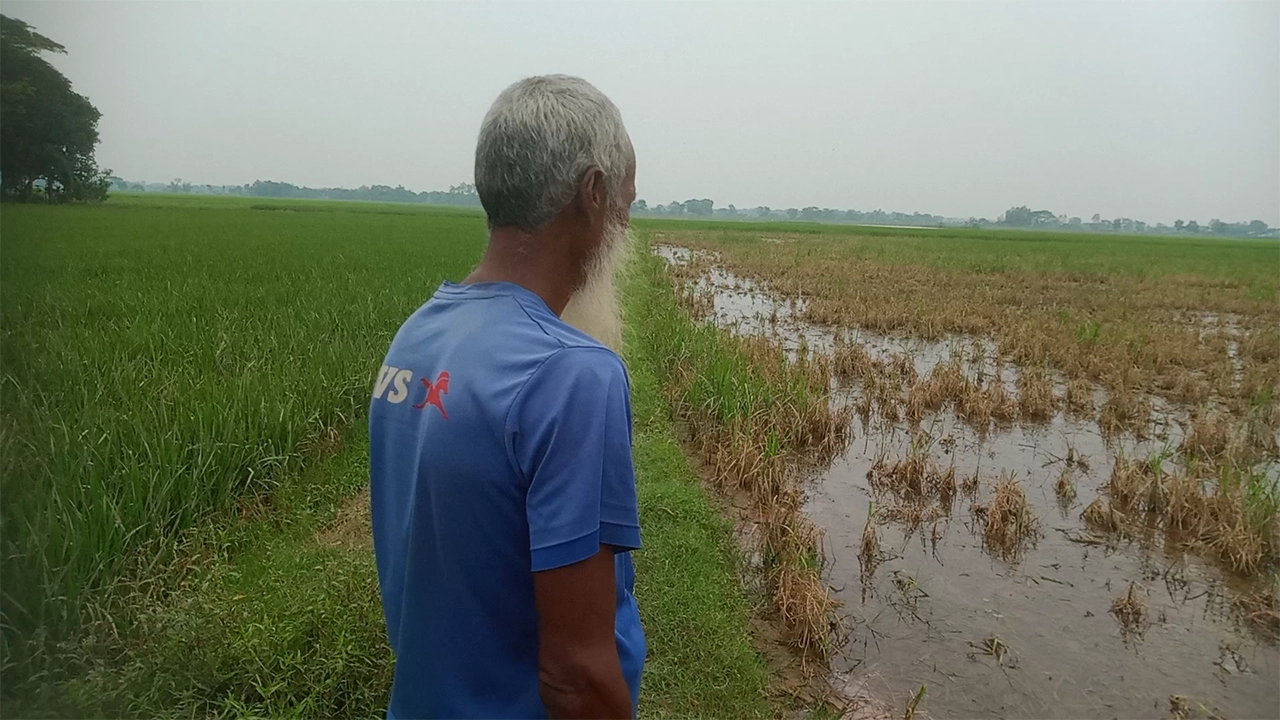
(569,360)
(487,327)
(588,366)
(579,372)
(563,334)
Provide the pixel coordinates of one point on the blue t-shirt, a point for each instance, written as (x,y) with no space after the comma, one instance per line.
(500,446)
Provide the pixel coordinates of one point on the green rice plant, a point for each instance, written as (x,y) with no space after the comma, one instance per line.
(1259,498)
(161,362)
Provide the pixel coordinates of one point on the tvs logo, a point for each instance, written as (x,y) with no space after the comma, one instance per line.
(398,381)
(435,391)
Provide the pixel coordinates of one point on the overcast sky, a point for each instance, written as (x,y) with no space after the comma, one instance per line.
(1154,111)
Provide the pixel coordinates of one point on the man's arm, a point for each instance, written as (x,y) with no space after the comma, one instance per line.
(579,675)
(570,435)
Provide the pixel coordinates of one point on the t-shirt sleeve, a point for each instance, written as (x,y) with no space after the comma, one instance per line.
(570,435)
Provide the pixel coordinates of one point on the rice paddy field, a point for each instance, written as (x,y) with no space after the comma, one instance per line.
(881,472)
(1058,493)
(183,526)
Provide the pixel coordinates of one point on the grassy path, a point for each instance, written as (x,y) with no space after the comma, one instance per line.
(276,613)
(700,658)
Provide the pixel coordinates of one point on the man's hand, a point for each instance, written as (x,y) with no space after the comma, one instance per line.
(579,675)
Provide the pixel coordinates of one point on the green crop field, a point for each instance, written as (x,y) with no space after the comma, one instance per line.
(184,389)
(161,362)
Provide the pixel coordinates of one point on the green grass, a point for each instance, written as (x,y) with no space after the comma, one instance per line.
(687,580)
(265,621)
(174,372)
(254,618)
(724,383)
(162,360)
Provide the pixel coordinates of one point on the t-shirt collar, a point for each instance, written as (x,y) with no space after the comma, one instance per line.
(492,289)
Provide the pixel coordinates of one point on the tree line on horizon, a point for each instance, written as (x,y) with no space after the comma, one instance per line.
(705,208)
(1023,217)
(464,194)
(1015,217)
(461,194)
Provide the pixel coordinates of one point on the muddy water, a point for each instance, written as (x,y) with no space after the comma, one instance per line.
(925,615)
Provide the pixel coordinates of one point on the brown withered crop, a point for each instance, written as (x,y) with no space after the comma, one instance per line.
(945,383)
(1100,516)
(869,553)
(1125,411)
(1065,487)
(1085,324)
(1209,436)
(757,421)
(1079,398)
(914,479)
(1231,515)
(850,359)
(1261,609)
(1012,335)
(1035,394)
(1130,611)
(913,491)
(983,404)
(1007,523)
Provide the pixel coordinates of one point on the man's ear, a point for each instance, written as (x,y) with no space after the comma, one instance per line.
(593,195)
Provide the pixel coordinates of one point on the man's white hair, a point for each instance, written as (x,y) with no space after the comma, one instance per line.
(538,140)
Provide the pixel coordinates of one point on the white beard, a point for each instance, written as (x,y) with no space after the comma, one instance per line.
(595,308)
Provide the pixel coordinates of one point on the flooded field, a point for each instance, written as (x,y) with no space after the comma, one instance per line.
(965,544)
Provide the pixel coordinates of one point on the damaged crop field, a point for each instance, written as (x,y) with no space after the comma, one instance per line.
(1047,479)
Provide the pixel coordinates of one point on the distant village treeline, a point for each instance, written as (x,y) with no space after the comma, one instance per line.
(465,194)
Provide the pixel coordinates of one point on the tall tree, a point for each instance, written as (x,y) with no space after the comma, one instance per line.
(47,131)
(1022,216)
(702,207)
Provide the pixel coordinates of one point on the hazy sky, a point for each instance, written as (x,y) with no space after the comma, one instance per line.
(1154,111)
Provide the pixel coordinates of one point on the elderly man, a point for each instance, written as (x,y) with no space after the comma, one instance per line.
(504,500)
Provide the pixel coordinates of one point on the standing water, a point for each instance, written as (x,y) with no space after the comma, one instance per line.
(1035,636)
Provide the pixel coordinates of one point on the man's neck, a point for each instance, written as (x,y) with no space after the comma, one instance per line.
(530,261)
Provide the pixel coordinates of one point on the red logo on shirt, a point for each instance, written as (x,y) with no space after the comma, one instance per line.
(435,392)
